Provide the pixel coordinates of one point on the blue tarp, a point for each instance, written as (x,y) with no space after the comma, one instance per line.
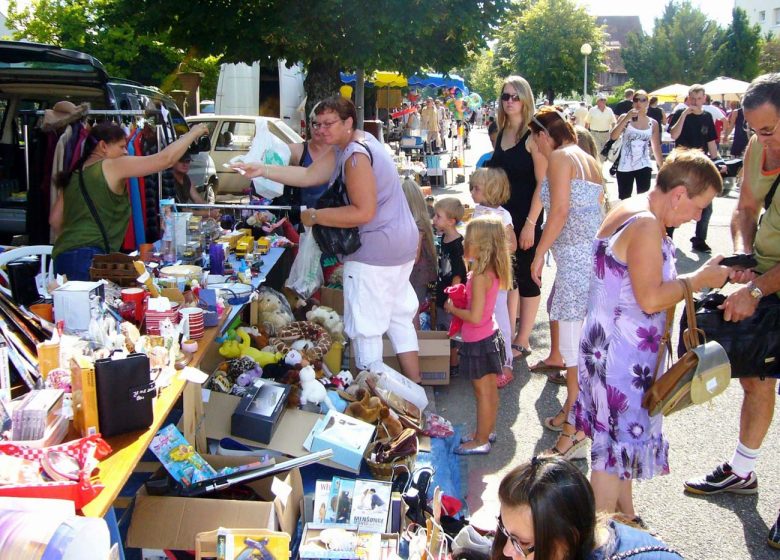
(426,80)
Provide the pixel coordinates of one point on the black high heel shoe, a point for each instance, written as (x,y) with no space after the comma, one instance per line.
(416,495)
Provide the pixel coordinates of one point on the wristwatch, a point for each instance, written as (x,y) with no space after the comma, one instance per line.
(313,215)
(754,291)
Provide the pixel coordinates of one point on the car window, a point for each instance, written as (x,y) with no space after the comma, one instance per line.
(235,136)
(284,132)
(179,124)
(210,124)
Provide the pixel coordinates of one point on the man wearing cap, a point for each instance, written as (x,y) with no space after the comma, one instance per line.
(600,121)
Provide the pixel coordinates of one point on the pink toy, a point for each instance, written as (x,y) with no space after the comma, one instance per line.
(457,294)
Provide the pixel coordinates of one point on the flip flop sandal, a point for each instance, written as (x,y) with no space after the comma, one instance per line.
(543,367)
(556,377)
(524,352)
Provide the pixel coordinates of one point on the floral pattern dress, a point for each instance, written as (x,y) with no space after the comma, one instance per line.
(618,351)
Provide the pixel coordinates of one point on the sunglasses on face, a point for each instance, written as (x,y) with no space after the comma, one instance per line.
(509,96)
(520,549)
(640,99)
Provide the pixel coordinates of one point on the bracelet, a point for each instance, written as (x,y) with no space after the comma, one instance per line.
(530,221)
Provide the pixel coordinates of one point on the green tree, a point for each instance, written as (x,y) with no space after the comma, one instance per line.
(481,75)
(738,55)
(542,43)
(680,50)
(769,59)
(328,35)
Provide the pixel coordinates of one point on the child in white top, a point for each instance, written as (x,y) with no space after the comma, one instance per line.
(489,188)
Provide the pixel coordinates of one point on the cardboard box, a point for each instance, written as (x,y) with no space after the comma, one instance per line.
(434,357)
(333,298)
(173,523)
(388,543)
(85,411)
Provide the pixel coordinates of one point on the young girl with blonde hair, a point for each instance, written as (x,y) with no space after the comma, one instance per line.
(482,352)
(490,189)
(425,270)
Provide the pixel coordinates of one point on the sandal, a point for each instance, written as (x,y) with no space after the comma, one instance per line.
(550,424)
(578,449)
(521,351)
(504,379)
(542,367)
(556,377)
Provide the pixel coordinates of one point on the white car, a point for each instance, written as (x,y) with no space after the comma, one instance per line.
(231,136)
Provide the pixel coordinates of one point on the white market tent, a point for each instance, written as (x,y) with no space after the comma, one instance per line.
(727,89)
(673,92)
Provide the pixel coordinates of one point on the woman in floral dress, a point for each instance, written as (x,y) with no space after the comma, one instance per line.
(634,282)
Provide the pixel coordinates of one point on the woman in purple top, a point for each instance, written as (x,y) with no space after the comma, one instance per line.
(633,285)
(378,297)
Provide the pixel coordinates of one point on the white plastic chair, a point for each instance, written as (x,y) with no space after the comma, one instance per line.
(47,265)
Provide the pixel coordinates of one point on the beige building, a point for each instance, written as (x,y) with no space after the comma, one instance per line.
(765,13)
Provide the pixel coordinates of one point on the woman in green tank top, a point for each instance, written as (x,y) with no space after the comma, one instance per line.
(82,232)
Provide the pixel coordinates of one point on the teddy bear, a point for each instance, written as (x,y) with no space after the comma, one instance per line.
(273,313)
(330,320)
(366,408)
(457,294)
(312,391)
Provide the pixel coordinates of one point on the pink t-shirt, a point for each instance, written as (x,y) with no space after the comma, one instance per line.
(473,332)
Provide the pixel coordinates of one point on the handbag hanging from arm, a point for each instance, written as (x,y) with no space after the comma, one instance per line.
(700,374)
(335,240)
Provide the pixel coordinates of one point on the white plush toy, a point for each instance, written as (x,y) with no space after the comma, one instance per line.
(312,391)
(293,358)
(346,377)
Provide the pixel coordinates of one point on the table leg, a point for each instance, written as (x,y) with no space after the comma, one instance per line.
(113,531)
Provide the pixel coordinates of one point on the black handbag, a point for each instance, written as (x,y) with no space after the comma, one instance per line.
(335,240)
(753,344)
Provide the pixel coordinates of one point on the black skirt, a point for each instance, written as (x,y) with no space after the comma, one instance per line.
(483,357)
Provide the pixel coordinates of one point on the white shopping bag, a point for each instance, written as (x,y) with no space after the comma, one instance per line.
(306,271)
(268,149)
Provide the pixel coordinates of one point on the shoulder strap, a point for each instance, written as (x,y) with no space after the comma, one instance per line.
(579,164)
(304,153)
(642,550)
(691,335)
(771,194)
(93,210)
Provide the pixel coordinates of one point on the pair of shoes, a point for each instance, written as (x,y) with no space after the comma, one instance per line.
(722,479)
(454,371)
(578,449)
(773,539)
(503,379)
(483,449)
(698,244)
(469,540)
(416,494)
(522,351)
(403,445)
(550,425)
(543,367)
(556,377)
(467,439)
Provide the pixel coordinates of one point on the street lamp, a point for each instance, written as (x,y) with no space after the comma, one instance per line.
(585,50)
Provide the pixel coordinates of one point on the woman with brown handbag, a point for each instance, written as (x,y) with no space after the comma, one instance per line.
(634,282)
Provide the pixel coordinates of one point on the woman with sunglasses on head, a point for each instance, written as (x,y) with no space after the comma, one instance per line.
(572,195)
(640,137)
(378,297)
(525,167)
(548,513)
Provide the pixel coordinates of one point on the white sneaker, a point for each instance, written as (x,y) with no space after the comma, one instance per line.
(469,539)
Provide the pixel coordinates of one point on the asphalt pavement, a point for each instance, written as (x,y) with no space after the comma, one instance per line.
(707,528)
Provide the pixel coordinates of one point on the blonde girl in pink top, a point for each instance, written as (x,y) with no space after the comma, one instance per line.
(482,352)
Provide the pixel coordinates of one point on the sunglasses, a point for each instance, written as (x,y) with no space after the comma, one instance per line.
(520,549)
(763,133)
(640,99)
(508,96)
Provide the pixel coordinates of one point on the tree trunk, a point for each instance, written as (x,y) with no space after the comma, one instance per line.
(551,96)
(322,80)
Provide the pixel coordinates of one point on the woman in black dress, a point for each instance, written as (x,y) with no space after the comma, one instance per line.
(517,155)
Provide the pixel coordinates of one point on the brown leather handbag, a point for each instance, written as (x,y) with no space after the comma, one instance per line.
(700,374)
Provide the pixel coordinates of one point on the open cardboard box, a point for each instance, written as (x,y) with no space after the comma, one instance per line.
(434,357)
(333,298)
(173,523)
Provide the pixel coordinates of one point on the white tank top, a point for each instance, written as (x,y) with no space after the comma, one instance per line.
(635,152)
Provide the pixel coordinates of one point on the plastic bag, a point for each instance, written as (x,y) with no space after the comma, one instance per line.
(306,272)
(266,148)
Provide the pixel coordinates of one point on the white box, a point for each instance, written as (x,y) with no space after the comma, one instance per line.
(74,303)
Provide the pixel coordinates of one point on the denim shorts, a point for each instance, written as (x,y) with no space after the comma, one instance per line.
(75,263)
